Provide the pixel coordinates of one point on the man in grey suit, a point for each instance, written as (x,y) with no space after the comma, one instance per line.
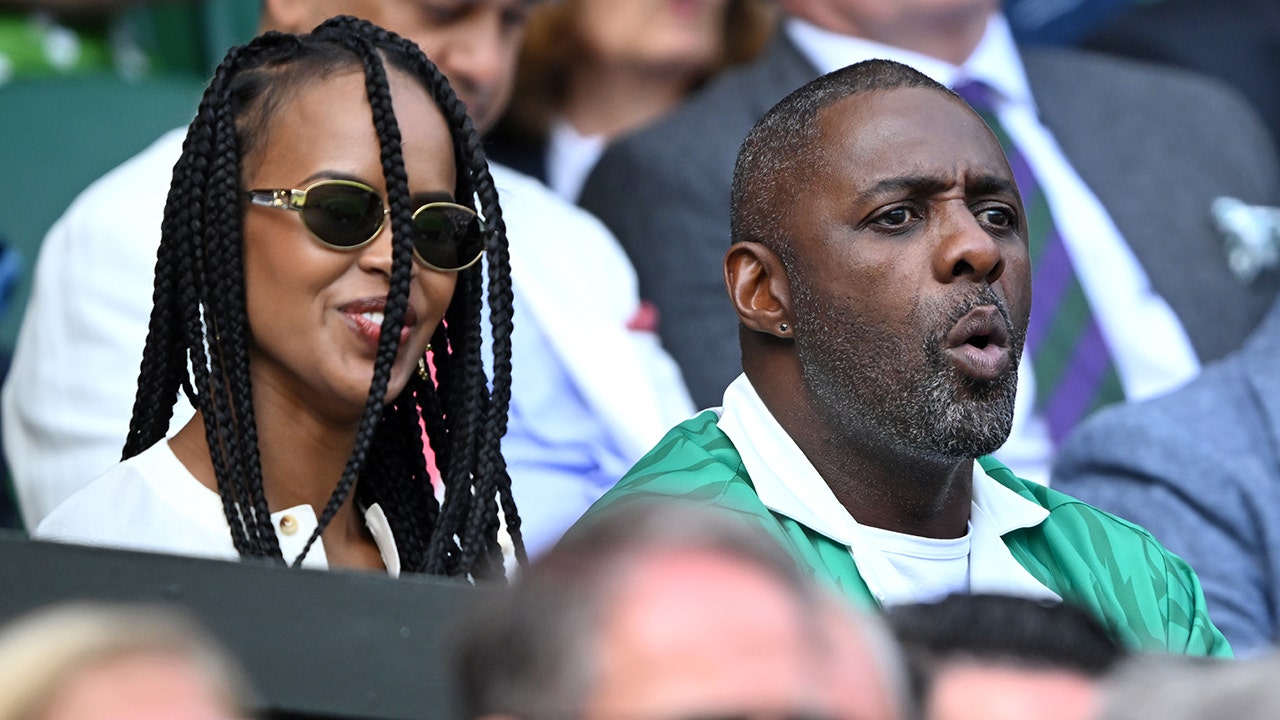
(1130,157)
(1200,469)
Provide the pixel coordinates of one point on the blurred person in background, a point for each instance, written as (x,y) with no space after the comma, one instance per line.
(108,662)
(669,610)
(999,657)
(591,70)
(1200,468)
(1163,687)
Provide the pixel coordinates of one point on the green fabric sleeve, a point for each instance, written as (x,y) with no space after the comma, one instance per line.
(1148,597)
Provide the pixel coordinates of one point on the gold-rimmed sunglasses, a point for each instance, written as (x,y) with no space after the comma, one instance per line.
(347,215)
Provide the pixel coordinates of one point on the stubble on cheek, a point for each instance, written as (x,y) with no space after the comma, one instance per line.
(896,383)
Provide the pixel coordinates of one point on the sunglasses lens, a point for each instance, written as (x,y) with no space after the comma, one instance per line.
(448,236)
(342,215)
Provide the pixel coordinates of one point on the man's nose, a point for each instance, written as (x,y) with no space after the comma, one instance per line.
(966,250)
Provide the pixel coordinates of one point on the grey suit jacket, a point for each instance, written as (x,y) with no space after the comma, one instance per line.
(1200,469)
(1155,145)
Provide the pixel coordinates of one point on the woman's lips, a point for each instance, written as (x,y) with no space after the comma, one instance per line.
(365,318)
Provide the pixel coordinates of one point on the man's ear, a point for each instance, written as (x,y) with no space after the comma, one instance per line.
(759,288)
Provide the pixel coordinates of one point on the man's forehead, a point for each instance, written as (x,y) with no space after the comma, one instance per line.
(884,114)
(908,133)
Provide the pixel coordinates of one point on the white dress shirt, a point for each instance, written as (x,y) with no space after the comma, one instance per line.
(1150,362)
(152,503)
(788,484)
(570,157)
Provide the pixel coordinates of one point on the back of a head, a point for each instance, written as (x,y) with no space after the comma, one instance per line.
(1179,687)
(1001,629)
(995,657)
(529,651)
(48,660)
(563,641)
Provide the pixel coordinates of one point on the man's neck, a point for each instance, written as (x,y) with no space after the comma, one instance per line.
(880,481)
(895,490)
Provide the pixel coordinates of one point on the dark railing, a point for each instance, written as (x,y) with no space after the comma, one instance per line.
(315,644)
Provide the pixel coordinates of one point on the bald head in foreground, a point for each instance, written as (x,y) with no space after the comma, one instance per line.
(671,612)
(880,274)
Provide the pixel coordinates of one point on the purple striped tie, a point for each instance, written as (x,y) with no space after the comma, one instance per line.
(1074,370)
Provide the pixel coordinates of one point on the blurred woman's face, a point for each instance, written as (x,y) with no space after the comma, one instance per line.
(675,35)
(315,312)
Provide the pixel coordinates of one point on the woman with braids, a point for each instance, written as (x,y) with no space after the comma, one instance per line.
(318,297)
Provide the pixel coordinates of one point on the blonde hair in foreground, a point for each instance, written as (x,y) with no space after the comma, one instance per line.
(44,650)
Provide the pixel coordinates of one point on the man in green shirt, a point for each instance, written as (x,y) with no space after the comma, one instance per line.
(881,276)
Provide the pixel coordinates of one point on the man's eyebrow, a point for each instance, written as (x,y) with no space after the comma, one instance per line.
(932,185)
(992,185)
(914,184)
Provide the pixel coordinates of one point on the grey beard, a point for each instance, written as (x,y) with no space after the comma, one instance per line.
(962,418)
(907,397)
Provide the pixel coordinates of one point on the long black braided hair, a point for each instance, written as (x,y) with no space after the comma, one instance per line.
(199,335)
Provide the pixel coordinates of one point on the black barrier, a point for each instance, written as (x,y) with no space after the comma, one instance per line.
(315,644)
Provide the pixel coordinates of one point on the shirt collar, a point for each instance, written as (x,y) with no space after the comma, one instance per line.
(767,451)
(295,525)
(995,61)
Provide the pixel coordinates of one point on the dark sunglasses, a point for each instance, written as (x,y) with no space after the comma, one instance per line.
(346,215)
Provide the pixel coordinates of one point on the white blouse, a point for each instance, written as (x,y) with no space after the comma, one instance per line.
(152,503)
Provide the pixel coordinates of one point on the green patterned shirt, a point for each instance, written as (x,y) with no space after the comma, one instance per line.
(1149,598)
